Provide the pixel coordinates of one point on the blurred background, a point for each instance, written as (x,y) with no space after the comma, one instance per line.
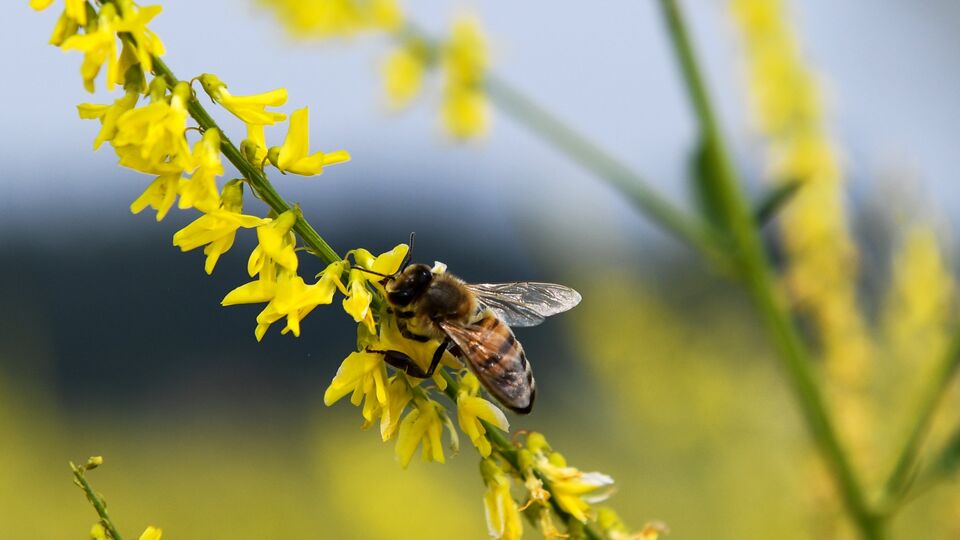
(112,342)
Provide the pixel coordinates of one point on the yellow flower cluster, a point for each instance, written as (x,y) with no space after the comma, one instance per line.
(821,273)
(465,110)
(572,491)
(336,18)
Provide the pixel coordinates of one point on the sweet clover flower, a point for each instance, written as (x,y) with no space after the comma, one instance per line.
(251,109)
(294,155)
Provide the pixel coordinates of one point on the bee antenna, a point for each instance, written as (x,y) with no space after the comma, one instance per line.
(362,269)
(406,259)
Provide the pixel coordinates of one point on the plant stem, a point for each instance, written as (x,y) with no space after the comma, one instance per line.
(256,178)
(506,449)
(96,501)
(754,268)
(897,484)
(581,149)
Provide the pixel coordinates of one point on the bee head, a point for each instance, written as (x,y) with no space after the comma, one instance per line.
(408,285)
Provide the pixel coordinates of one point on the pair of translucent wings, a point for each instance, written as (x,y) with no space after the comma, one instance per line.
(524,303)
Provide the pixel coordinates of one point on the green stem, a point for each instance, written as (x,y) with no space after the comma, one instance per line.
(757,275)
(96,501)
(588,154)
(898,482)
(582,150)
(256,178)
(506,449)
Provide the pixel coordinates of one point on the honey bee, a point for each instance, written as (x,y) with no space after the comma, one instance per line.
(473,322)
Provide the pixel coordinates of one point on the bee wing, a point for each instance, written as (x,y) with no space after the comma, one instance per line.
(525,303)
(497,359)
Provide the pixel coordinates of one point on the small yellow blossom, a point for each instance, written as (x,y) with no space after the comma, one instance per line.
(108,115)
(151,533)
(259,291)
(294,156)
(472,409)
(403,74)
(99,46)
(251,109)
(398,396)
(277,240)
(503,516)
(200,190)
(254,147)
(157,129)
(614,529)
(218,228)
(162,192)
(134,23)
(423,426)
(65,27)
(364,375)
(294,299)
(97,532)
(573,489)
(387,263)
(465,109)
(357,304)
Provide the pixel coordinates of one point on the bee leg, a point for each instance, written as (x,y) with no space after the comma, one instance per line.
(407,365)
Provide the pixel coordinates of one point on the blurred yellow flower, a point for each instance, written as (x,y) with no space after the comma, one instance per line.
(330,18)
(218,228)
(97,532)
(403,74)
(200,190)
(503,516)
(465,109)
(294,156)
(472,409)
(423,426)
(151,533)
(251,109)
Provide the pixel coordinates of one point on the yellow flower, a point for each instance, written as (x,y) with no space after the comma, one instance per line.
(293,155)
(357,303)
(471,409)
(162,192)
(259,291)
(277,240)
(99,46)
(613,527)
(329,18)
(134,23)
(97,532)
(151,533)
(108,115)
(398,396)
(365,376)
(390,339)
(573,489)
(403,74)
(423,426)
(250,109)
(218,228)
(254,147)
(200,190)
(465,109)
(157,129)
(65,27)
(294,299)
(503,516)
(466,112)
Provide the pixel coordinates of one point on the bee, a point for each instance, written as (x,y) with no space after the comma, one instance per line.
(473,322)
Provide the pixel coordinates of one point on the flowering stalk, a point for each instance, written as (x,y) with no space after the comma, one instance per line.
(755,271)
(152,139)
(80,479)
